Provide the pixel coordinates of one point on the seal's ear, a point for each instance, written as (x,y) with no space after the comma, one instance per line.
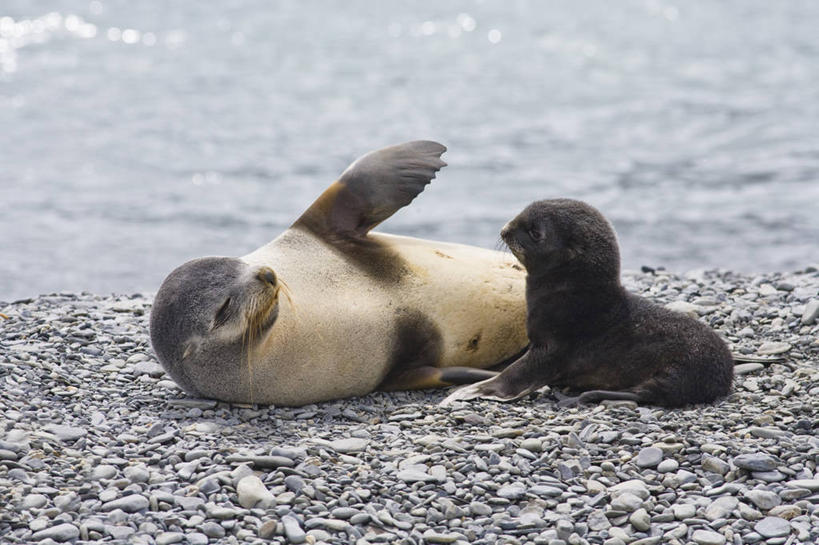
(189,347)
(373,188)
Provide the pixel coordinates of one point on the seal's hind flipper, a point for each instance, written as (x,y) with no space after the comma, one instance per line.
(372,189)
(595,396)
(427,376)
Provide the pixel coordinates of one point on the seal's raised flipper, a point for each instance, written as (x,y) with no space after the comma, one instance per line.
(372,189)
(434,377)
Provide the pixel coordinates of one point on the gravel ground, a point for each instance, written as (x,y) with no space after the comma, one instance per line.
(97,444)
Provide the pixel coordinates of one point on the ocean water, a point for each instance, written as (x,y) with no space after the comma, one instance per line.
(137,135)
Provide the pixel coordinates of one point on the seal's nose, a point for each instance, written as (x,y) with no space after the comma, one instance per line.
(506,229)
(266,274)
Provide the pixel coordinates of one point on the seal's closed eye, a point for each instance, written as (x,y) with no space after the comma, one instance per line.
(222,315)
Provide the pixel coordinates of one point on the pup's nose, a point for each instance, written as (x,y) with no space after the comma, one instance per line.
(266,274)
(506,229)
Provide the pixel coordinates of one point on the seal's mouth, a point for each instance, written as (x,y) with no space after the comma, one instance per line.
(263,306)
(514,246)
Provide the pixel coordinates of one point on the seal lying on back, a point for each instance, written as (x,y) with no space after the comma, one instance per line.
(587,333)
(330,309)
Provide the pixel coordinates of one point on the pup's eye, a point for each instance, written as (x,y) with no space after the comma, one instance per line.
(222,314)
(535,235)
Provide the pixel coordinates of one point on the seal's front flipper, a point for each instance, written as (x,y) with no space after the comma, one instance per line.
(433,377)
(372,189)
(595,396)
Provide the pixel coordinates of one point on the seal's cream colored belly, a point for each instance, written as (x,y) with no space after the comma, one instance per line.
(342,330)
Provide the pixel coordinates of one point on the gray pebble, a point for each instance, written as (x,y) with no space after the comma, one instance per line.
(707,537)
(811,312)
(649,457)
(773,527)
(293,530)
(130,504)
(763,499)
(65,433)
(168,538)
(755,462)
(59,533)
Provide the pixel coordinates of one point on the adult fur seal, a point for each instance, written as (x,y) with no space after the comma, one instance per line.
(330,309)
(587,333)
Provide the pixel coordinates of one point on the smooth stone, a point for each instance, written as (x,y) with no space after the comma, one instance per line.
(721,508)
(511,491)
(130,504)
(65,433)
(627,502)
(349,445)
(773,347)
(431,536)
(786,512)
(810,484)
(684,307)
(104,471)
(598,521)
(34,501)
(252,491)
(746,368)
(769,476)
(747,512)
(707,537)
(684,511)
(649,457)
(755,462)
(60,533)
(149,368)
(668,465)
(763,499)
(633,486)
(195,538)
(168,538)
(213,529)
(811,312)
(414,475)
(294,483)
(532,445)
(344,512)
(773,527)
(640,519)
(480,509)
(293,530)
(136,474)
(119,532)
(766,432)
(272,462)
(715,465)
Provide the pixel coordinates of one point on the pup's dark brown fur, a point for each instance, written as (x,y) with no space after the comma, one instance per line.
(587,333)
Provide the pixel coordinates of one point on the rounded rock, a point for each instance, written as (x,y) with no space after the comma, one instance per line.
(707,537)
(649,457)
(773,527)
(59,533)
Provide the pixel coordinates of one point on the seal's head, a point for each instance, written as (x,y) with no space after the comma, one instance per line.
(566,236)
(208,316)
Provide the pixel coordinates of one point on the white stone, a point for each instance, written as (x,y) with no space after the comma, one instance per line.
(252,493)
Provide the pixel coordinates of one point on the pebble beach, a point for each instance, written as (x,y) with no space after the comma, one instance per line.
(97,444)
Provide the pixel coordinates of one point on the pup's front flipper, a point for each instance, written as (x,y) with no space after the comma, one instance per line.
(494,389)
(516,381)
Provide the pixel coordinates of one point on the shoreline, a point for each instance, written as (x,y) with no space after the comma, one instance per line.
(98,444)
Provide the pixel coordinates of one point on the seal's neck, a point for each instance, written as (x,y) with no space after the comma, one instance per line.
(560,306)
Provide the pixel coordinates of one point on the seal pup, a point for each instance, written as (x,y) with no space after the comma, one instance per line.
(330,309)
(588,333)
